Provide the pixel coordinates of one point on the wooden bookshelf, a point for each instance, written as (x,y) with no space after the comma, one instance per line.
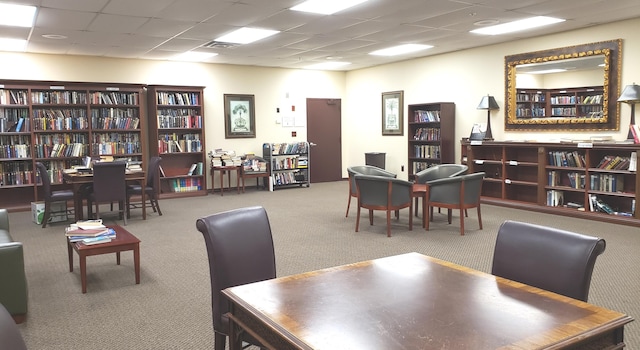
(559,178)
(431,135)
(176,126)
(578,102)
(59,124)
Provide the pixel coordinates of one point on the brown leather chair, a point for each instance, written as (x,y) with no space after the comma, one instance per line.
(548,258)
(459,192)
(49,195)
(240,250)
(364,170)
(10,336)
(383,193)
(109,185)
(151,189)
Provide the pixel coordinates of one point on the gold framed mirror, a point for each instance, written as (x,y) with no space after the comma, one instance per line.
(571,88)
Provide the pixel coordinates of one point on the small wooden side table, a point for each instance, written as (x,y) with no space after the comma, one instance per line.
(225,169)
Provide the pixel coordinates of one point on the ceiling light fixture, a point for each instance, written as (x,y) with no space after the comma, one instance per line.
(326,7)
(7,44)
(400,50)
(193,56)
(54,36)
(515,26)
(246,35)
(328,65)
(17,15)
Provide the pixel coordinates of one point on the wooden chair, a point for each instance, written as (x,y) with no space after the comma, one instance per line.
(363,170)
(109,185)
(459,192)
(256,174)
(240,250)
(51,196)
(151,189)
(548,258)
(383,193)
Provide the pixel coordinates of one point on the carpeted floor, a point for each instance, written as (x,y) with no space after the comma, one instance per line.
(171,309)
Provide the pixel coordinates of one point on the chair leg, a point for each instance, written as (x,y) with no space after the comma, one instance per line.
(358,219)
(410,219)
(479,217)
(389,223)
(155,200)
(220,341)
(461,222)
(47,213)
(371,217)
(449,215)
(348,205)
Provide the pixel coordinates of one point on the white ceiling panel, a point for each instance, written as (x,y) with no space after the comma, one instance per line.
(116,24)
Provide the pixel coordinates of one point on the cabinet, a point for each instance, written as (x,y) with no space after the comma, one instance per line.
(430,136)
(288,163)
(176,123)
(579,102)
(589,180)
(59,123)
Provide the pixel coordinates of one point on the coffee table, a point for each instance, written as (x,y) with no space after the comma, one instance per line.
(124,241)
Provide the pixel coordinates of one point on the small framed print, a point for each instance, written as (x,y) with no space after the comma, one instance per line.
(239,116)
(393,113)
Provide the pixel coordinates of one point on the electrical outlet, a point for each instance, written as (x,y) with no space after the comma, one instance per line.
(402,168)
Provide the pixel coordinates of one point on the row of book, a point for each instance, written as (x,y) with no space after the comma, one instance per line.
(125,120)
(168,145)
(284,163)
(532,97)
(288,178)
(596,204)
(611,162)
(20,125)
(289,148)
(58,97)
(190,184)
(90,232)
(421,116)
(576,180)
(566,158)
(178,98)
(531,112)
(427,134)
(114,98)
(119,148)
(635,132)
(195,169)
(13,97)
(427,151)
(179,118)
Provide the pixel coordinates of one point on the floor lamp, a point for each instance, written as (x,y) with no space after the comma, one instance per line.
(631,95)
(489,103)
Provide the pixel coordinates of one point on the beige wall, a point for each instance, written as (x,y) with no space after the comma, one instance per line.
(462,77)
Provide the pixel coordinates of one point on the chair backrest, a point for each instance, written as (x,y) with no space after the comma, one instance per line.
(365,170)
(109,183)
(46,181)
(382,190)
(548,258)
(462,189)
(240,249)
(440,171)
(152,172)
(10,336)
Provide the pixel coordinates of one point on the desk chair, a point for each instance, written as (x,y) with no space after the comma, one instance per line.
(240,249)
(49,195)
(384,193)
(363,170)
(10,336)
(548,258)
(459,192)
(109,185)
(151,189)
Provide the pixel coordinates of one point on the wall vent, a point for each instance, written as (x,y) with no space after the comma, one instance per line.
(219,45)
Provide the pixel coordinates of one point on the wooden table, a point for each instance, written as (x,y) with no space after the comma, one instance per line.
(124,241)
(77,180)
(421,191)
(225,169)
(412,301)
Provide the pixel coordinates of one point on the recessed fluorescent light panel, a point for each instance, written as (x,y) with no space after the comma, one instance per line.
(192,56)
(246,35)
(400,50)
(326,7)
(12,44)
(516,26)
(17,15)
(328,65)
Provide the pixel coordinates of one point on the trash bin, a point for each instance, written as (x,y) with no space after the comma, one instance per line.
(375,159)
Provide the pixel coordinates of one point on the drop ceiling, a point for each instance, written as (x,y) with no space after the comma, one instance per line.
(161,29)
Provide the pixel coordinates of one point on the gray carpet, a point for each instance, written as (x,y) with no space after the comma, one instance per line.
(170,309)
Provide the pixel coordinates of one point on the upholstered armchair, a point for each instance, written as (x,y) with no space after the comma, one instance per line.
(13,279)
(383,193)
(436,172)
(363,170)
(459,192)
(548,258)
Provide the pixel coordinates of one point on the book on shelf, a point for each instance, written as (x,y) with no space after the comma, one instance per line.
(162,171)
(635,131)
(19,125)
(96,240)
(192,169)
(91,232)
(633,161)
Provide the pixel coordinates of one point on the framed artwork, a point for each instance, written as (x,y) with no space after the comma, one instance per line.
(393,113)
(239,116)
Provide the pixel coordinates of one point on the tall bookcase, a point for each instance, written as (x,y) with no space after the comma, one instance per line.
(176,125)
(588,180)
(579,102)
(289,164)
(58,123)
(431,135)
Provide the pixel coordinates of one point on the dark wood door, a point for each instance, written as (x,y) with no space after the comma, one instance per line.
(324,134)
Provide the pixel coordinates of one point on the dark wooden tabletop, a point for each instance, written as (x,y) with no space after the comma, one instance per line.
(412,301)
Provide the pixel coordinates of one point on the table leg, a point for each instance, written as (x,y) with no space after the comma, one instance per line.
(136,261)
(83,272)
(70,251)
(237,180)
(221,182)
(228,178)
(117,258)
(144,203)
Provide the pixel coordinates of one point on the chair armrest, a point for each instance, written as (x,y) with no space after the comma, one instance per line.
(4,219)
(13,285)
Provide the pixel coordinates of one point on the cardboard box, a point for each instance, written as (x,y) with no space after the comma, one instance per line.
(58,212)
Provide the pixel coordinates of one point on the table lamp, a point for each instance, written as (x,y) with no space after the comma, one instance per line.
(489,103)
(631,95)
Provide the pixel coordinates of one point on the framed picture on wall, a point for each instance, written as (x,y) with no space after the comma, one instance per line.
(392,113)
(239,116)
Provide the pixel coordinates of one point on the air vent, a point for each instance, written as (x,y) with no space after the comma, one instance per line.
(219,45)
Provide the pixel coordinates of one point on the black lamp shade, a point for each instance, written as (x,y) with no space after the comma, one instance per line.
(630,94)
(489,103)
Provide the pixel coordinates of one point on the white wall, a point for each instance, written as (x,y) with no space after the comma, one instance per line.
(461,77)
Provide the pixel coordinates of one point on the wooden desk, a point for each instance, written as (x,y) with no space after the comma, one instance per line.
(412,301)
(124,241)
(225,169)
(77,180)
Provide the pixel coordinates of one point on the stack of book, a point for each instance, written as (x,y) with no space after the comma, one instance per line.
(90,232)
